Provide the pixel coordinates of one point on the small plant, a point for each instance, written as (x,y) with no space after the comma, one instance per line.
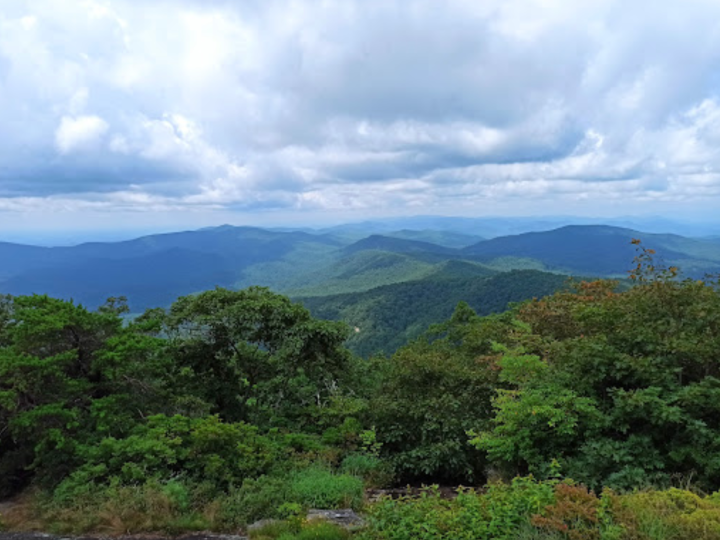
(574,513)
(178,494)
(647,269)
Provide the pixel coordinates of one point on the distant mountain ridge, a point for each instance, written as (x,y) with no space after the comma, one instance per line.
(491,227)
(397,245)
(217,257)
(449,239)
(153,270)
(597,249)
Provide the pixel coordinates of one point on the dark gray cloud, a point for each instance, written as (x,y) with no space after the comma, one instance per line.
(115,105)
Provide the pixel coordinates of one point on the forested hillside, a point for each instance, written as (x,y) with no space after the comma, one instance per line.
(387,317)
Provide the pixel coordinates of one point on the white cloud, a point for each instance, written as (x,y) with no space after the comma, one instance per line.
(359,105)
(79,133)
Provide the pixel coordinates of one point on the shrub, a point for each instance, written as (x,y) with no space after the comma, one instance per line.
(317,487)
(577,514)
(675,514)
(204,449)
(432,392)
(497,514)
(613,376)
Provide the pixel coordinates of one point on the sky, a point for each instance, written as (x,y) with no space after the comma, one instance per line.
(129,115)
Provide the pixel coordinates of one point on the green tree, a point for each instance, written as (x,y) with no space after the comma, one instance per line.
(67,376)
(628,392)
(255,356)
(434,390)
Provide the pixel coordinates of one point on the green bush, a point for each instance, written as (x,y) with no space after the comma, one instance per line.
(674,514)
(203,449)
(621,388)
(432,392)
(318,487)
(497,514)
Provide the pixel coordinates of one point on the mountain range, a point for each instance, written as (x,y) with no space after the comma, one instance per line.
(355,277)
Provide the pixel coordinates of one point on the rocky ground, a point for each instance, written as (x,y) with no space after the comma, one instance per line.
(40,536)
(344,518)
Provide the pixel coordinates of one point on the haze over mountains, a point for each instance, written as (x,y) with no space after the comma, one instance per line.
(345,273)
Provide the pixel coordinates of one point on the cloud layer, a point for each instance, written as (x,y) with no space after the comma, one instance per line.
(539,106)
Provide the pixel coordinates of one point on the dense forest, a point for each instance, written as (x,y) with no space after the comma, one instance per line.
(582,413)
(387,317)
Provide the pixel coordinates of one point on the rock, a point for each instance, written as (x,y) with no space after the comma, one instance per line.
(346,518)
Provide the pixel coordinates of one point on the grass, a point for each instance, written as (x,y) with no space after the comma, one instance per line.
(296,530)
(318,487)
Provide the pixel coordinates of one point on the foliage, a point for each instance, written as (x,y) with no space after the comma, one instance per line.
(388,317)
(91,404)
(292,530)
(171,507)
(497,514)
(375,471)
(165,447)
(254,355)
(232,406)
(70,376)
(527,509)
(674,514)
(626,385)
(261,498)
(432,392)
(317,487)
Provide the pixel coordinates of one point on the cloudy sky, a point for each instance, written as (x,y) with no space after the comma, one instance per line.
(122,113)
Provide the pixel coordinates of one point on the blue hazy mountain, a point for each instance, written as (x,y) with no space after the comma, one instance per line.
(597,250)
(154,269)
